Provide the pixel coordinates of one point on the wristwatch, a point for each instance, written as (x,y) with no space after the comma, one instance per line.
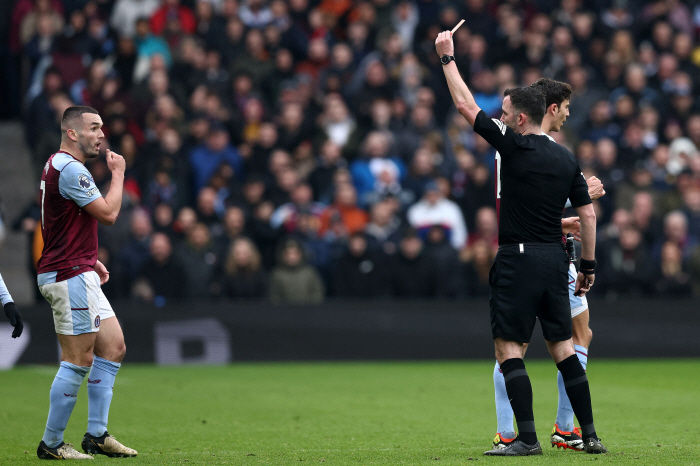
(445,59)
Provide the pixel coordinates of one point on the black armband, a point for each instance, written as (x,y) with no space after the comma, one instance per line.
(587,267)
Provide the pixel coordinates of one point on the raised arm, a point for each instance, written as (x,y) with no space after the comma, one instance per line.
(461,96)
(106,209)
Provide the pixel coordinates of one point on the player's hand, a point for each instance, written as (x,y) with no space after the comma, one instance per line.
(15,318)
(115,162)
(571,225)
(102,272)
(583,284)
(444,44)
(595,188)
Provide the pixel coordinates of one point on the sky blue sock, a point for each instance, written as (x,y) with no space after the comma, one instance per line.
(100,385)
(63,395)
(582,355)
(565,413)
(504,412)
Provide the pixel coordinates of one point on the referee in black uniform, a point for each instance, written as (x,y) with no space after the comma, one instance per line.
(529,278)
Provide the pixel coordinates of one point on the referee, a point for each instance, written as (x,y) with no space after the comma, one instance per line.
(529,278)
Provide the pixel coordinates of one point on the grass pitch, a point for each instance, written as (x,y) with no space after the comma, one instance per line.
(438,413)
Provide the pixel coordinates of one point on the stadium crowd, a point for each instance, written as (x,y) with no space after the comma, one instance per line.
(296,150)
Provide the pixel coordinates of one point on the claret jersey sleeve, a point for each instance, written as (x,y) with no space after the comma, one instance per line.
(578,196)
(76,184)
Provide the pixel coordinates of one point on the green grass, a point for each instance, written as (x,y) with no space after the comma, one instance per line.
(358,413)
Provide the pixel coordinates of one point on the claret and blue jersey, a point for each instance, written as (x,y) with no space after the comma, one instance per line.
(69,233)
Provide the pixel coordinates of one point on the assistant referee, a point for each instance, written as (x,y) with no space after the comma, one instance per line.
(529,278)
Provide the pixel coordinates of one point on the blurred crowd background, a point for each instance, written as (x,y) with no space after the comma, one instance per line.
(297,150)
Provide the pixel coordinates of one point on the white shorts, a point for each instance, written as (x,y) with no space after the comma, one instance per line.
(578,303)
(78,304)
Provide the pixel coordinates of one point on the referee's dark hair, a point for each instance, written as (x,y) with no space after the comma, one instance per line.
(528,100)
(555,92)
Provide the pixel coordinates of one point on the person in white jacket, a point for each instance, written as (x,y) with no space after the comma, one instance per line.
(435,209)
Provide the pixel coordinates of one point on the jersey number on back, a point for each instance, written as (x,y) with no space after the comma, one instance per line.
(42,187)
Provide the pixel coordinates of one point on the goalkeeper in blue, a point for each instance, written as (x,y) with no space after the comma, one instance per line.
(564,434)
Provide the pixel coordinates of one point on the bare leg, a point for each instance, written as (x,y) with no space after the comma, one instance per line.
(109,344)
(77,349)
(582,334)
(561,350)
(506,349)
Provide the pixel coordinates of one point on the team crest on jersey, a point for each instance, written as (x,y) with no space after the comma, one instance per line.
(84,181)
(502,126)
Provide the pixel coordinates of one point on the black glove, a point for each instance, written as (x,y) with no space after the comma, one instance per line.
(13,314)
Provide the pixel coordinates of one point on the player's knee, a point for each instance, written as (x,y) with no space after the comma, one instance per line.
(120,351)
(86,360)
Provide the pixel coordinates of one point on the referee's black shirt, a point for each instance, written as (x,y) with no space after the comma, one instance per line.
(537,176)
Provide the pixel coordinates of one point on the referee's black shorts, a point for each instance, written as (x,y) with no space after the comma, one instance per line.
(527,281)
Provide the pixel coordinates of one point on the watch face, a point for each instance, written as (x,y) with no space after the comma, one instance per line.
(445,59)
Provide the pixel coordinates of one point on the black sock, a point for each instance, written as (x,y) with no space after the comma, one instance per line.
(577,389)
(520,395)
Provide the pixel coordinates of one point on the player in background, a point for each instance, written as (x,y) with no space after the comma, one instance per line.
(11,310)
(70,276)
(564,434)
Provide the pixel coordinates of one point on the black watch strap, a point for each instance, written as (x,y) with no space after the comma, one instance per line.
(445,59)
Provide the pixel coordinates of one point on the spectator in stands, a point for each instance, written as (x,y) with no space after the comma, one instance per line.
(292,280)
(477,265)
(321,178)
(384,227)
(245,277)
(411,272)
(126,12)
(134,254)
(378,172)
(435,209)
(486,229)
(360,271)
(292,89)
(172,12)
(206,159)
(626,268)
(675,232)
(162,277)
(197,256)
(673,279)
(285,216)
(343,217)
(445,262)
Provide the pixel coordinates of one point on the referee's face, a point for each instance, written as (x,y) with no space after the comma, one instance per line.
(508,115)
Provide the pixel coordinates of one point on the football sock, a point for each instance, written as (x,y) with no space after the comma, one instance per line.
(100,385)
(565,413)
(520,395)
(577,389)
(63,395)
(504,412)
(582,355)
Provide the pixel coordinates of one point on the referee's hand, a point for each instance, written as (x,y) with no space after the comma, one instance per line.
(583,284)
(444,44)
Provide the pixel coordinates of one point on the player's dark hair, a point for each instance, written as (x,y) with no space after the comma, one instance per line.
(555,92)
(73,113)
(528,100)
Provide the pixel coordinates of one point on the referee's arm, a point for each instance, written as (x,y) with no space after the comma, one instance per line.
(461,96)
